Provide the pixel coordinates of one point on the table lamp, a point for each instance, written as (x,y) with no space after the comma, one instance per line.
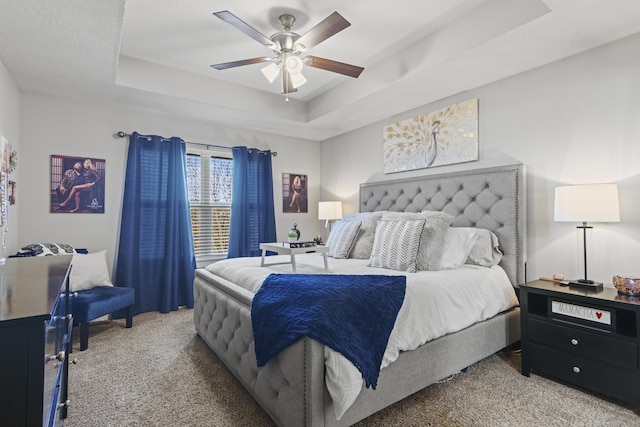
(328,211)
(587,203)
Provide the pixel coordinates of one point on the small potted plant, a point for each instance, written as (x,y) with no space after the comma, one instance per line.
(294,233)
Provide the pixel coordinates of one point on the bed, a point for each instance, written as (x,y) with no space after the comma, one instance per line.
(292,387)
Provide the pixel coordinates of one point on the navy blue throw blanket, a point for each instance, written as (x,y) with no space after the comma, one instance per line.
(352,314)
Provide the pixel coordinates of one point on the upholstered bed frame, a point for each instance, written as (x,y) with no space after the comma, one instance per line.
(291,387)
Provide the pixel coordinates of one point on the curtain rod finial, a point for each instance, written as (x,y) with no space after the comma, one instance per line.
(121,134)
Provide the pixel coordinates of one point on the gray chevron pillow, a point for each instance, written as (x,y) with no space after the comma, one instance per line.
(432,240)
(395,245)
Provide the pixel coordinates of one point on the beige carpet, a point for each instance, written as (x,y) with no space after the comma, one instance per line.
(160,373)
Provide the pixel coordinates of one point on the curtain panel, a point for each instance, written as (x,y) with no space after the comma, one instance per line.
(155,255)
(253,219)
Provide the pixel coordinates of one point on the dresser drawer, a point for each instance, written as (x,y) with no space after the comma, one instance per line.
(618,383)
(581,342)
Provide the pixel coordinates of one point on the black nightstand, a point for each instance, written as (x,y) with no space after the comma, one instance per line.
(589,339)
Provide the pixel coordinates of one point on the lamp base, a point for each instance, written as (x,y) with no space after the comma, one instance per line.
(586,284)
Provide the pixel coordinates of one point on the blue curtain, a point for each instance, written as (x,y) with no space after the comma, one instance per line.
(253,219)
(155,255)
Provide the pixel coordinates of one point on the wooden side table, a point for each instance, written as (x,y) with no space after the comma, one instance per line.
(280,249)
(588,339)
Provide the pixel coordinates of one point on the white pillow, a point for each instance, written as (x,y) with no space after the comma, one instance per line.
(341,238)
(458,243)
(486,250)
(89,271)
(396,244)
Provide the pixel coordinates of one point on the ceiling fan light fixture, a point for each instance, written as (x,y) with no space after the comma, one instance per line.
(291,49)
(294,64)
(271,71)
(297,80)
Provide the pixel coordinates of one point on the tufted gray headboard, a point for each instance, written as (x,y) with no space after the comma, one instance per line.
(492,198)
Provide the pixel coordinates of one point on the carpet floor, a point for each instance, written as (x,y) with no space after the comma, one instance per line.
(160,373)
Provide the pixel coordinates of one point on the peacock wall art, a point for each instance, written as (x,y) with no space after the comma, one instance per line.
(442,137)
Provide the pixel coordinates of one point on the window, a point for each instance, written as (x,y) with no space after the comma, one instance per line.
(209,177)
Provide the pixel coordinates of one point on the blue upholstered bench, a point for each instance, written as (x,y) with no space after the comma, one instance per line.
(90,304)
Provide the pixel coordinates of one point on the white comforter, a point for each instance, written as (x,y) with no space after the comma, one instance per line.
(436,303)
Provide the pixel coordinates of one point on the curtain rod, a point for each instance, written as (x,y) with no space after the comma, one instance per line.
(121,134)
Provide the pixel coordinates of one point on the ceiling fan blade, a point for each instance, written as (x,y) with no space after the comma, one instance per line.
(287,85)
(335,66)
(241,63)
(331,25)
(230,18)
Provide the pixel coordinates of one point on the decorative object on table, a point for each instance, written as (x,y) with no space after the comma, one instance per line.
(294,233)
(586,203)
(438,138)
(329,211)
(77,184)
(318,240)
(627,285)
(294,193)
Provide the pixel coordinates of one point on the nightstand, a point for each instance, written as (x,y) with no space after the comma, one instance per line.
(588,339)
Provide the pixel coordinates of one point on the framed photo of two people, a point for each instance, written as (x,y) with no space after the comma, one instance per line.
(77,184)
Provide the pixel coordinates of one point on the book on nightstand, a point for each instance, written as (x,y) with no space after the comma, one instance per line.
(294,245)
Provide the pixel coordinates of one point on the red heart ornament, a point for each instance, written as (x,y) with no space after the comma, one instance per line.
(598,314)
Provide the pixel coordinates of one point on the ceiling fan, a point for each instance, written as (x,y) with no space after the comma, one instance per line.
(290,49)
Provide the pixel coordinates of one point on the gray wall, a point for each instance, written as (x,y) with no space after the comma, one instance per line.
(571,122)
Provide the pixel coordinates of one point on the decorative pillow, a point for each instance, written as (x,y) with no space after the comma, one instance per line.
(341,238)
(486,250)
(396,244)
(458,242)
(364,240)
(432,241)
(44,249)
(89,271)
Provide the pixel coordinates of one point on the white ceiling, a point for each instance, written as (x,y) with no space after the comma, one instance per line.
(156,54)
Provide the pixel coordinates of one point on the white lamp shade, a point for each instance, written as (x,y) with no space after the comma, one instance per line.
(271,71)
(293,64)
(329,210)
(587,203)
(297,80)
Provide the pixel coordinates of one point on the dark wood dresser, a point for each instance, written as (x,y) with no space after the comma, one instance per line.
(35,329)
(589,339)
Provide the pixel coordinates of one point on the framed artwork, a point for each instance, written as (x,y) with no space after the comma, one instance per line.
(294,193)
(5,155)
(443,137)
(77,184)
(11,192)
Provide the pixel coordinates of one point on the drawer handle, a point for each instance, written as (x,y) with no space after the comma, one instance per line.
(60,356)
(576,369)
(64,404)
(574,341)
